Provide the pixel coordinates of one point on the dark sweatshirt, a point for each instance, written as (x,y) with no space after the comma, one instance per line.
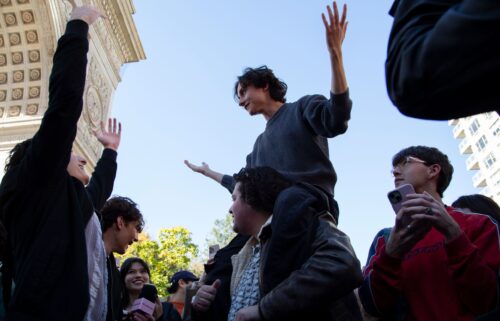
(44,209)
(295,140)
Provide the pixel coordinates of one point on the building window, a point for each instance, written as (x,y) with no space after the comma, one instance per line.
(488,115)
(489,160)
(496,131)
(496,178)
(481,143)
(474,127)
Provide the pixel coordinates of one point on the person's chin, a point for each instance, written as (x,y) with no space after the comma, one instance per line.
(399,182)
(83,177)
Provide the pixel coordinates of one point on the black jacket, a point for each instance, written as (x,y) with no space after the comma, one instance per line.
(115,291)
(44,209)
(298,237)
(308,268)
(221,269)
(443,58)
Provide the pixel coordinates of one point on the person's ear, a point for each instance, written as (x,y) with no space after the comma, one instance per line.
(434,170)
(120,223)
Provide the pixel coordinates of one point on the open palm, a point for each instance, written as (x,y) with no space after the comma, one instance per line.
(111,137)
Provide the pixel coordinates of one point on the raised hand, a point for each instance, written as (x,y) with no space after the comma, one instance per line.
(203,169)
(89,14)
(109,138)
(335,29)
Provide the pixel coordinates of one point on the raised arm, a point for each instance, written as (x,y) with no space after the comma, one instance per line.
(225,180)
(50,151)
(101,184)
(205,170)
(329,117)
(442,56)
(335,33)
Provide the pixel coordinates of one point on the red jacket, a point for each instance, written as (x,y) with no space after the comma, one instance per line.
(454,281)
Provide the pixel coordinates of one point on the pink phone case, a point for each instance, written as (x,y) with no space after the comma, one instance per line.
(399,195)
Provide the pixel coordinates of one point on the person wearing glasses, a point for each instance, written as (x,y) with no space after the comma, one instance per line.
(443,265)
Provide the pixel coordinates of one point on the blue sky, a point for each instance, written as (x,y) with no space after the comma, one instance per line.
(178,105)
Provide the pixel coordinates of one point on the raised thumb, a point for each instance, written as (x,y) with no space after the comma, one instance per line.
(216,284)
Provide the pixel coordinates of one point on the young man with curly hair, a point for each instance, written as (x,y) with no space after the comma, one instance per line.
(296,264)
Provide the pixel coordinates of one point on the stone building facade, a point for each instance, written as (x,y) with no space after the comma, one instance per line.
(29,30)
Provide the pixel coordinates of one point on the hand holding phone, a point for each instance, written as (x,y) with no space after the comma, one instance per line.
(397,197)
(146,302)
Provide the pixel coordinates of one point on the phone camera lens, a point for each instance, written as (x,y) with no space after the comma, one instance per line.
(395,197)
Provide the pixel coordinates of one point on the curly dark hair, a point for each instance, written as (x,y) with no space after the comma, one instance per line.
(16,154)
(120,206)
(431,156)
(261,77)
(478,203)
(260,187)
(124,268)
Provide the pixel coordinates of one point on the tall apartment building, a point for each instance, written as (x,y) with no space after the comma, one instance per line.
(480,139)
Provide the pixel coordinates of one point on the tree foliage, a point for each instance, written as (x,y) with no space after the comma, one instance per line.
(222,232)
(173,251)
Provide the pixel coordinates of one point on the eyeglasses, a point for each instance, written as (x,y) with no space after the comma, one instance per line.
(408,160)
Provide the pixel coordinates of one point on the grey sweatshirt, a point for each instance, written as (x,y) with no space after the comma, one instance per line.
(295,140)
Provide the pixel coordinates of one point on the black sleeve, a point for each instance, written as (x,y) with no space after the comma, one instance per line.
(48,157)
(228,182)
(443,58)
(101,184)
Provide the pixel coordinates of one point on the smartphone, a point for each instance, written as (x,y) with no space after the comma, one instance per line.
(149,292)
(398,196)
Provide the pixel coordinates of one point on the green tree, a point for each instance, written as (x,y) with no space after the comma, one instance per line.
(173,251)
(222,232)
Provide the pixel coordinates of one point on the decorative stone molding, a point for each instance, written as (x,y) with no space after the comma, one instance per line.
(29,30)
(14,111)
(32,109)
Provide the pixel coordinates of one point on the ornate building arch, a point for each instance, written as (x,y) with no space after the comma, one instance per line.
(29,30)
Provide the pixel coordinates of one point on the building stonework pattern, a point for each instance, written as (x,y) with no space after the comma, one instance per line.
(29,30)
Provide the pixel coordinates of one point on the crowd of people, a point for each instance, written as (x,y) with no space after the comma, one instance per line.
(289,260)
